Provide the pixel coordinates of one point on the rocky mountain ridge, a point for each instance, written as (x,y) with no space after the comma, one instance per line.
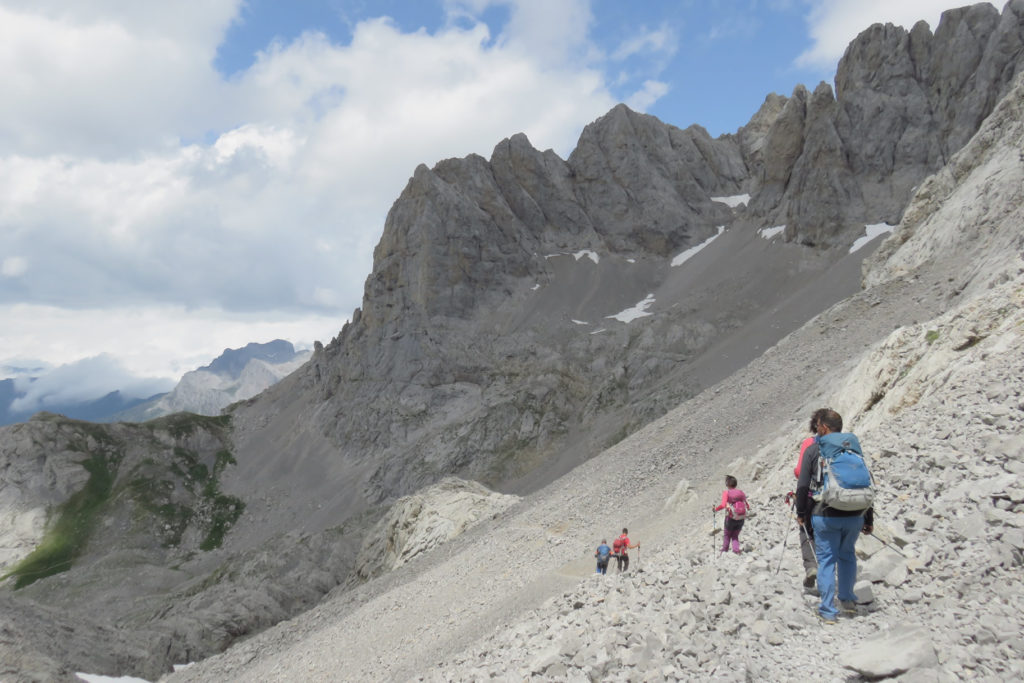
(235,375)
(524,314)
(470,249)
(925,364)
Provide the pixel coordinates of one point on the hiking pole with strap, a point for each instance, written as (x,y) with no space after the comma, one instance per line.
(788,499)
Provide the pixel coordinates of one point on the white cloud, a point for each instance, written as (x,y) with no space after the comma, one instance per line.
(661,40)
(108,78)
(552,32)
(81,381)
(834,23)
(650,93)
(13,266)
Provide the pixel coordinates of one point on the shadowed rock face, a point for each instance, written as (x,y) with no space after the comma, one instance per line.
(523,312)
(905,102)
(450,336)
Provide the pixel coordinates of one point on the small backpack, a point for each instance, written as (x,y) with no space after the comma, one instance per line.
(845,482)
(736,502)
(603,551)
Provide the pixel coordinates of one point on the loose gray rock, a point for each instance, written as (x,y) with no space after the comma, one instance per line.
(902,649)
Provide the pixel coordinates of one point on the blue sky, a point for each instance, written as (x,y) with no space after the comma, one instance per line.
(179,178)
(687,45)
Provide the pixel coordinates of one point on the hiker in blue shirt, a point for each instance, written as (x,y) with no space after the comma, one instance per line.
(603,554)
(835,531)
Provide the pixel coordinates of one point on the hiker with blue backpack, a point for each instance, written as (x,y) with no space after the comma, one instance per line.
(835,493)
(603,554)
(734,501)
(807,555)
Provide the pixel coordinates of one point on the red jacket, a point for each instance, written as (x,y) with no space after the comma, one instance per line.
(800,461)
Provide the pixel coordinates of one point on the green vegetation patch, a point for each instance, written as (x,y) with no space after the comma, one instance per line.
(181,425)
(212,511)
(73,524)
(224,511)
(931,336)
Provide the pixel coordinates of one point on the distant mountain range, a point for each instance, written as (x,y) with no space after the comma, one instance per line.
(235,375)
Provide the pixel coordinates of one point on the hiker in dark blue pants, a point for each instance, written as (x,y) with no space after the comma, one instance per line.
(835,532)
(603,554)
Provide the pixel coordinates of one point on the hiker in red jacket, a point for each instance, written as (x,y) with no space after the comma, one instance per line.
(620,548)
(806,532)
(736,501)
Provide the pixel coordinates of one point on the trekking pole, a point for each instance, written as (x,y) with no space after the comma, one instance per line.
(807,539)
(783,553)
(714,530)
(789,499)
(888,545)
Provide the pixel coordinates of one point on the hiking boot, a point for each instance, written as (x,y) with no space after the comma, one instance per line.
(810,578)
(848,607)
(827,621)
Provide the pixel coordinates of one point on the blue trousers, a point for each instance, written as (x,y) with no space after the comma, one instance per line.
(835,540)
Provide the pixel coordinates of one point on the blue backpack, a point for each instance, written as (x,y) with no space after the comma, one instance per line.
(845,482)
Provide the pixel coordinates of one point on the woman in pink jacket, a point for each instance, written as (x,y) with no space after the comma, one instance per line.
(735,501)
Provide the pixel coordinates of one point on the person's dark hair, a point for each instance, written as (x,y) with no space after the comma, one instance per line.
(625,530)
(832,420)
(815,417)
(730,481)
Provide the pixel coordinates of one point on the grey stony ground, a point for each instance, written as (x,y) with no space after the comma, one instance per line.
(515,598)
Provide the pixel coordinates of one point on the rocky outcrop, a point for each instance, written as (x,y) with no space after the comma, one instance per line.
(946,220)
(647,186)
(95,477)
(46,644)
(905,102)
(450,336)
(418,523)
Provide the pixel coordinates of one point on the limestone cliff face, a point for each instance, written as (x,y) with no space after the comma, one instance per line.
(487,335)
(418,523)
(455,337)
(905,102)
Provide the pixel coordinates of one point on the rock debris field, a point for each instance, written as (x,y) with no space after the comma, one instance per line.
(516,598)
